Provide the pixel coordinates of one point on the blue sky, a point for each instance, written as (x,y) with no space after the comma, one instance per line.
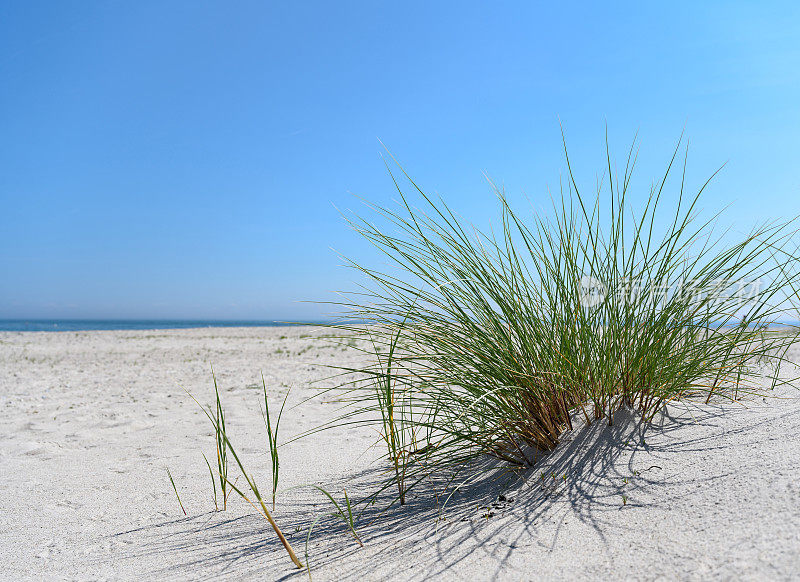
(187,159)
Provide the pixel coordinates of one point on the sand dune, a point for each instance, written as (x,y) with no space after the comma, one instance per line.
(91,420)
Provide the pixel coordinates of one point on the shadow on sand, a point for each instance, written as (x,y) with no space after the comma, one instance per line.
(596,469)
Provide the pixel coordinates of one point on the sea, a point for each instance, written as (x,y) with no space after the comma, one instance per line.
(112,324)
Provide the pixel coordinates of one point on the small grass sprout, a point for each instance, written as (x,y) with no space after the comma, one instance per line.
(171,480)
(345,514)
(308,539)
(213,482)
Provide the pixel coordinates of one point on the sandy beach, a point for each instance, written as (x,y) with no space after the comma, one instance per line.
(92,420)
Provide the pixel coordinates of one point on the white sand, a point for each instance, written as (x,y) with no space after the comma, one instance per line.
(90,420)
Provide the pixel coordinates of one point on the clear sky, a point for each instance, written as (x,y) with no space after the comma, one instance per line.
(187,159)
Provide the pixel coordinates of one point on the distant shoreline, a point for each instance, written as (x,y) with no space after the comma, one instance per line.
(55,325)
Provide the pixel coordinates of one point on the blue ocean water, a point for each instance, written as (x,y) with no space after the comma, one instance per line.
(110,324)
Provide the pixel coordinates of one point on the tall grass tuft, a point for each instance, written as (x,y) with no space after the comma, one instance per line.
(272,439)
(390,399)
(494,340)
(218,419)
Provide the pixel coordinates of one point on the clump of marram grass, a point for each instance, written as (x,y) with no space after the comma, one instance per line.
(488,342)
(272,438)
